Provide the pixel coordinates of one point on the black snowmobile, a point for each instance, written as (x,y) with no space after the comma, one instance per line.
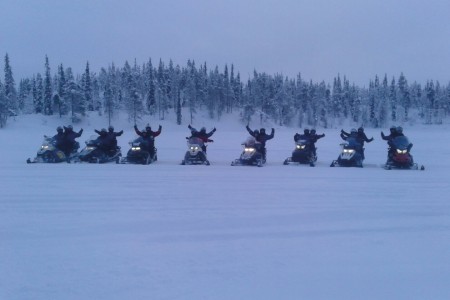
(195,154)
(302,154)
(49,153)
(399,156)
(139,152)
(351,154)
(96,152)
(251,156)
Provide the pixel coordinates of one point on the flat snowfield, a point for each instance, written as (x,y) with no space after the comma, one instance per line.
(167,231)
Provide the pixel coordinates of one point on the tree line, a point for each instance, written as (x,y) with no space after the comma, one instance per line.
(184,91)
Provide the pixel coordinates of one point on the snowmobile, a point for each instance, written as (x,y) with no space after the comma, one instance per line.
(351,154)
(138,153)
(399,156)
(49,153)
(302,154)
(195,154)
(94,152)
(251,156)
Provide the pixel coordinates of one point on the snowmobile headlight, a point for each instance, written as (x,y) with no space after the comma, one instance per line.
(350,151)
(194,148)
(45,147)
(402,151)
(135,148)
(249,149)
(301,146)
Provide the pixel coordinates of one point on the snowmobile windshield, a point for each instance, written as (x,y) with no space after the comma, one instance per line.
(195,141)
(353,142)
(401,142)
(302,142)
(249,142)
(49,141)
(136,141)
(92,139)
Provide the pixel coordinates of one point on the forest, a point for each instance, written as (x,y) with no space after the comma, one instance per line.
(164,88)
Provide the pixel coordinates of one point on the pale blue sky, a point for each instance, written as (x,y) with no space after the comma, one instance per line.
(318,38)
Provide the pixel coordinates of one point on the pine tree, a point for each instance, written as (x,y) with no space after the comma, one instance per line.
(75,98)
(191,90)
(60,101)
(161,91)
(87,89)
(151,89)
(383,95)
(109,100)
(47,93)
(3,106)
(431,99)
(337,98)
(39,95)
(393,100)
(404,98)
(178,96)
(9,101)
(134,99)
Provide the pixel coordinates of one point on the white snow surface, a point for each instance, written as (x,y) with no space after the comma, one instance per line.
(167,231)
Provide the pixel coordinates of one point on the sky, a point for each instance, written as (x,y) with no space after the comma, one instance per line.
(318,39)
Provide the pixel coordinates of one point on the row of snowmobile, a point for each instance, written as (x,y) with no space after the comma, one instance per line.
(351,155)
(95,152)
(141,152)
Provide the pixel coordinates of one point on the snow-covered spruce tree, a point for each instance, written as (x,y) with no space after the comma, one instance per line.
(190,90)
(39,94)
(311,110)
(108,100)
(3,106)
(227,94)
(373,96)
(203,88)
(178,107)
(287,112)
(416,99)
(150,102)
(9,93)
(403,96)
(236,87)
(323,96)
(169,88)
(268,106)
(301,95)
(96,95)
(247,105)
(431,99)
(115,80)
(174,79)
(438,113)
(161,91)
(133,98)
(60,101)
(47,89)
(447,100)
(284,99)
(393,100)
(345,98)
(213,91)
(75,97)
(383,95)
(338,105)
(86,85)
(25,98)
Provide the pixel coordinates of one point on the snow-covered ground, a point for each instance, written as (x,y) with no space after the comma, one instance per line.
(166,231)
